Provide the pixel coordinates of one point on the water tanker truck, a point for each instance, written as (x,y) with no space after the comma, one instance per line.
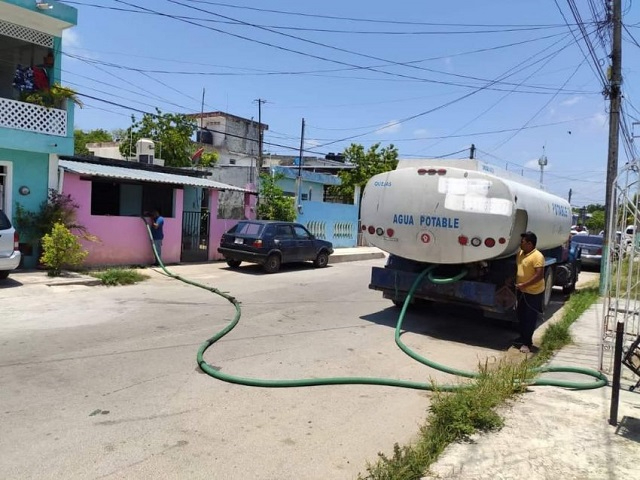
(462,220)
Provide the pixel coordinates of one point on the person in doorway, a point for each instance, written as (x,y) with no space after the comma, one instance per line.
(529,288)
(157,233)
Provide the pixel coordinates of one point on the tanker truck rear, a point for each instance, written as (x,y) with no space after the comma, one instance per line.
(462,220)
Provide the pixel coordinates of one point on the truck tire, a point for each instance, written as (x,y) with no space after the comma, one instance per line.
(548,286)
(234,263)
(571,287)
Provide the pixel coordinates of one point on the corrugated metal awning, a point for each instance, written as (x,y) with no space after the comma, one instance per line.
(109,171)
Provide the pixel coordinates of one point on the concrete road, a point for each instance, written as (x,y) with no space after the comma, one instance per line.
(102,382)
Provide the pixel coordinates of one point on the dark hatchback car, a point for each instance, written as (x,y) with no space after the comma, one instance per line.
(590,248)
(272,243)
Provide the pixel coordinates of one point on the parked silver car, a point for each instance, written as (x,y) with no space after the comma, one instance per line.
(9,251)
(590,247)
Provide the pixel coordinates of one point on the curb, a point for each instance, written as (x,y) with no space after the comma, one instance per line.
(355,257)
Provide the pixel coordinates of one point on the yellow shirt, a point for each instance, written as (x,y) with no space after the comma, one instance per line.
(527,264)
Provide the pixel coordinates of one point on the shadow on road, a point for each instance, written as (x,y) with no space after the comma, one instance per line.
(9,283)
(255,269)
(459,324)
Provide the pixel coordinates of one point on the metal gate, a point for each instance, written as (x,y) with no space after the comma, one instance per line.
(195,236)
(621,269)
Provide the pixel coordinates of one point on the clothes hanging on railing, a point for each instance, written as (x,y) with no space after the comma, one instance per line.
(23,79)
(30,79)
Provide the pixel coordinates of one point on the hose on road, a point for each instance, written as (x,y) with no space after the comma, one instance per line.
(600,379)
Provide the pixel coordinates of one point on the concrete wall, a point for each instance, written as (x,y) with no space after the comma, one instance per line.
(335,222)
(122,240)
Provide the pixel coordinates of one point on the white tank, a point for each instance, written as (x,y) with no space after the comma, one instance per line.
(452,212)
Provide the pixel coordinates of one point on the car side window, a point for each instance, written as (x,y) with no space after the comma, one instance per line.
(301,232)
(284,231)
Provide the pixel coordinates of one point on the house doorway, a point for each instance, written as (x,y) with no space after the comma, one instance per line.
(195,231)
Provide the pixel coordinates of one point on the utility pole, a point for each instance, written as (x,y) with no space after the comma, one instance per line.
(260,101)
(299,189)
(615,81)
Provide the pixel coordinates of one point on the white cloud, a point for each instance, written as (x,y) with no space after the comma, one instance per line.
(70,39)
(390,127)
(571,101)
(599,121)
(311,143)
(420,132)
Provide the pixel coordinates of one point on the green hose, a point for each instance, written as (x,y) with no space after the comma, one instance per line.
(601,380)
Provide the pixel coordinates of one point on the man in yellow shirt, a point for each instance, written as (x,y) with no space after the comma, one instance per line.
(529,288)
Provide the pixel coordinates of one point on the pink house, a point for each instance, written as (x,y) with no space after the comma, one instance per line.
(113,196)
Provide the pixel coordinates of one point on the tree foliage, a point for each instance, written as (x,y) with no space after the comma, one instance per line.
(171,132)
(366,164)
(273,203)
(58,208)
(81,138)
(595,223)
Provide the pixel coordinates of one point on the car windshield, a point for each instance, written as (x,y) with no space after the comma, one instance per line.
(587,240)
(249,228)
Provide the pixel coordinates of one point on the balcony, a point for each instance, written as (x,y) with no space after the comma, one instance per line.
(32,118)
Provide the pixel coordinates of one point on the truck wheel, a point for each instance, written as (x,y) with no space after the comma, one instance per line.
(548,286)
(272,265)
(567,289)
(322,260)
(234,263)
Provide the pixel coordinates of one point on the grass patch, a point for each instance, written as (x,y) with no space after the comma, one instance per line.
(120,276)
(454,417)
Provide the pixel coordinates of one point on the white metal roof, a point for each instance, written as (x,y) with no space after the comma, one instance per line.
(109,171)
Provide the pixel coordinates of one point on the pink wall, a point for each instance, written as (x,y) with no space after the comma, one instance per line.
(123,240)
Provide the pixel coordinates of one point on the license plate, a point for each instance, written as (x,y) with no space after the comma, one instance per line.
(238,240)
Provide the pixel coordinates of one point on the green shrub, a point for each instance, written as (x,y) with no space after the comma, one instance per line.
(61,249)
(119,276)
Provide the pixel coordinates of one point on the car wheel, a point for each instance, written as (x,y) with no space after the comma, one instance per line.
(4,274)
(234,263)
(272,265)
(322,260)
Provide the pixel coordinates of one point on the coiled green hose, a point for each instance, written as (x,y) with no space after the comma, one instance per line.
(600,379)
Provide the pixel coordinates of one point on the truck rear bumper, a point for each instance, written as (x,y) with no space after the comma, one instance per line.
(395,285)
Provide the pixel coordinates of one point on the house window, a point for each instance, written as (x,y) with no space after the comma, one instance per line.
(304,196)
(232,161)
(130,200)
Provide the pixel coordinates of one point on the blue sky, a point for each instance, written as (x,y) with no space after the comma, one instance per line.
(430,77)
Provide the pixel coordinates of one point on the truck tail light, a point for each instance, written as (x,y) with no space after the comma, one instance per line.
(257,243)
(371,229)
(363,228)
(390,232)
(489,242)
(463,240)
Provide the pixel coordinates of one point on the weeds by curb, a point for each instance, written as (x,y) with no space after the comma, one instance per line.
(119,276)
(454,417)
